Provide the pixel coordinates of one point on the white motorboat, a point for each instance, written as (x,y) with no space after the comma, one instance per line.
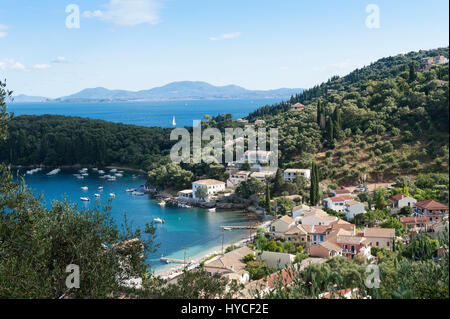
(54,172)
(119,174)
(137,194)
(162,203)
(113,170)
(212,209)
(112,195)
(129,190)
(227,228)
(97,195)
(85,188)
(159,220)
(85,199)
(100,188)
(100,171)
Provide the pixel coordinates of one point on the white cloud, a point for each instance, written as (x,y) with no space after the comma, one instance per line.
(3,30)
(60,59)
(284,68)
(226,36)
(41,66)
(11,64)
(127,12)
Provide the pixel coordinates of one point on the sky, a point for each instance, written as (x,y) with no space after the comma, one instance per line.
(257,44)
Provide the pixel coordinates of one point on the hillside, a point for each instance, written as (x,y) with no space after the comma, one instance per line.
(184,90)
(382,121)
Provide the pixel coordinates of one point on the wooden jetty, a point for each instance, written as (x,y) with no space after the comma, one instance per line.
(239,227)
(166,259)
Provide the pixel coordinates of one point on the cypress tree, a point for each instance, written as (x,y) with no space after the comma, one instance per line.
(412,72)
(314,188)
(330,129)
(278,182)
(268,207)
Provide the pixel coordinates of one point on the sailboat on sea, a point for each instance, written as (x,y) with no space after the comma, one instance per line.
(173,121)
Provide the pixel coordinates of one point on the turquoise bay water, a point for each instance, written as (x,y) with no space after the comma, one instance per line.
(144,113)
(195,229)
(198,230)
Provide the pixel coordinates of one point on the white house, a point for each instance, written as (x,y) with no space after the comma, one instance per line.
(275,259)
(236,178)
(211,185)
(291,173)
(337,203)
(399,201)
(318,218)
(282,225)
(353,208)
(256,157)
(299,211)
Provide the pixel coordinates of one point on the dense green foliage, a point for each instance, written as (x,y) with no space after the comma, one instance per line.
(60,140)
(377,121)
(170,175)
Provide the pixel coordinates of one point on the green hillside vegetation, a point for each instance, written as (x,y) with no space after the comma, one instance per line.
(384,120)
(61,140)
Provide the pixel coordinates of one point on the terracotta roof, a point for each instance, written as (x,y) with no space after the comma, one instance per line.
(287,219)
(356,240)
(320,229)
(308,228)
(379,232)
(330,246)
(340,198)
(414,219)
(296,229)
(341,190)
(431,205)
(394,199)
(283,277)
(208,182)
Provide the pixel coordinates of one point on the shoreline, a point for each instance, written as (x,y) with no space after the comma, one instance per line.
(205,254)
(79,166)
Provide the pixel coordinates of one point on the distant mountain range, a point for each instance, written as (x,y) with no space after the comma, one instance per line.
(186,90)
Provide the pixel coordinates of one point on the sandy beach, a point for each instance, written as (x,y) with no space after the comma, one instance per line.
(177,269)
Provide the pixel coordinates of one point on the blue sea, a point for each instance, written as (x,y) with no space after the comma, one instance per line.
(145,113)
(196,230)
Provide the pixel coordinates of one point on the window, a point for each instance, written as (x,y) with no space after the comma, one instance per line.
(376,244)
(387,244)
(321,237)
(315,237)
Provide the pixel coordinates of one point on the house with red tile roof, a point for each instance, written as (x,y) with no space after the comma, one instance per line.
(341,190)
(342,224)
(353,245)
(414,223)
(325,249)
(337,203)
(380,237)
(431,209)
(399,201)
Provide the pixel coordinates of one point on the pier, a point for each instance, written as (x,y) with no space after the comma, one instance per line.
(175,260)
(239,227)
